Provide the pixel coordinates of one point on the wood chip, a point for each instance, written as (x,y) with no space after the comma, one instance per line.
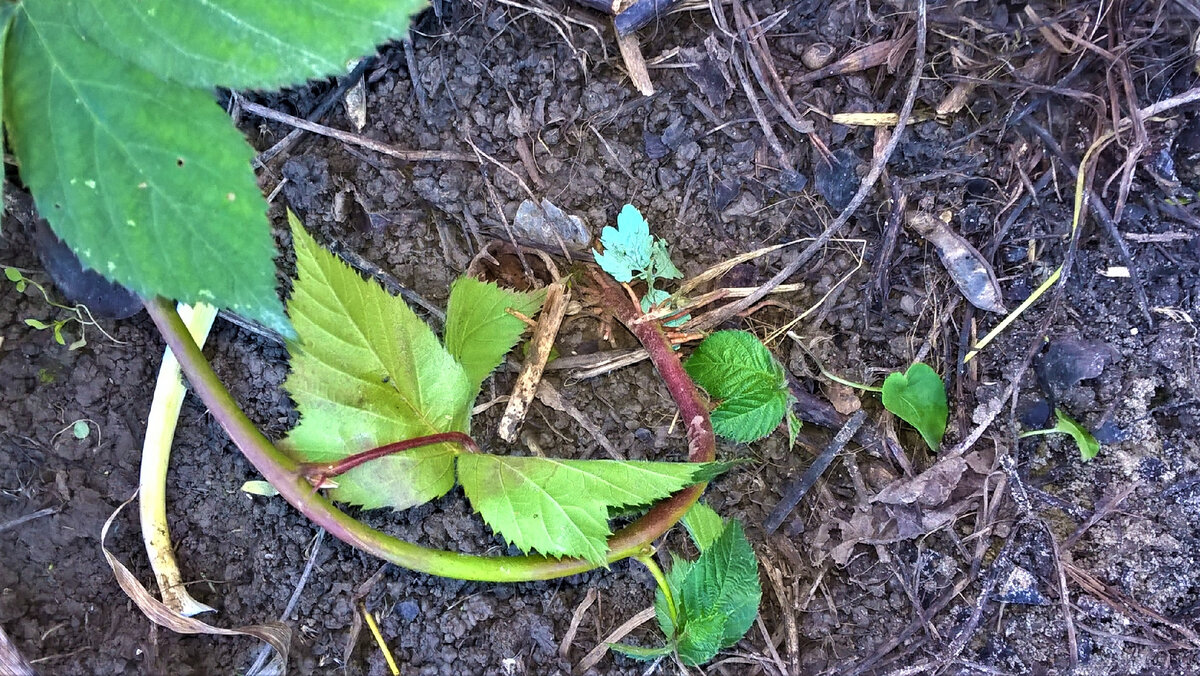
(549,321)
(635,64)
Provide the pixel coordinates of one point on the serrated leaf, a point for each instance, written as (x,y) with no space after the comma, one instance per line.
(561,507)
(661,266)
(367,371)
(918,396)
(700,640)
(146,180)
(1088,446)
(640,653)
(478,330)
(718,599)
(627,247)
(703,524)
(750,385)
(793,423)
(242,44)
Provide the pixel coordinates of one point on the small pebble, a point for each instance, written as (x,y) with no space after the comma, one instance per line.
(818,55)
(408,610)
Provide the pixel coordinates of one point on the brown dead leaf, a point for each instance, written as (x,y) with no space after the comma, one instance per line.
(842,397)
(277,634)
(930,488)
(884,51)
(956,99)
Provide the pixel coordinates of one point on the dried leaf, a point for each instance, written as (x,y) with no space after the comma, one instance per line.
(277,634)
(968,268)
(930,488)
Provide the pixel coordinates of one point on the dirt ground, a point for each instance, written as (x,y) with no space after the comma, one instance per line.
(1009,556)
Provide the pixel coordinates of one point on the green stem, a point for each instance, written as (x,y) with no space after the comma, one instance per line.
(848,383)
(647,559)
(318,472)
(286,475)
(1038,433)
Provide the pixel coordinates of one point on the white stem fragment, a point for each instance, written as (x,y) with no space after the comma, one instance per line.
(156,455)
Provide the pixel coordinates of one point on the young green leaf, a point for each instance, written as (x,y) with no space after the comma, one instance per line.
(793,422)
(675,577)
(704,525)
(919,398)
(718,598)
(660,263)
(1088,446)
(1086,443)
(750,385)
(561,507)
(640,653)
(146,180)
(242,45)
(367,371)
(627,248)
(478,330)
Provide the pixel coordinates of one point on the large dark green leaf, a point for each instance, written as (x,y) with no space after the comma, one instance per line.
(146,180)
(241,44)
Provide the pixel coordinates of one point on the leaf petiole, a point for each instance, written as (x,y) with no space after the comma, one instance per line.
(317,473)
(647,559)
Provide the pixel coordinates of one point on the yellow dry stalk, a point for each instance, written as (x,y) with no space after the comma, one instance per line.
(156,455)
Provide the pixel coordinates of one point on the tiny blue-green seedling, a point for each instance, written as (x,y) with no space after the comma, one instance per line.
(631,252)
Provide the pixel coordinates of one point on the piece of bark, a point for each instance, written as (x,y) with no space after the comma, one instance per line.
(635,64)
(640,13)
(11,661)
(549,320)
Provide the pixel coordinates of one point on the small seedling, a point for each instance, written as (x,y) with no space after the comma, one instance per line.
(749,384)
(631,252)
(80,429)
(366,370)
(918,397)
(1086,443)
(78,314)
(706,605)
